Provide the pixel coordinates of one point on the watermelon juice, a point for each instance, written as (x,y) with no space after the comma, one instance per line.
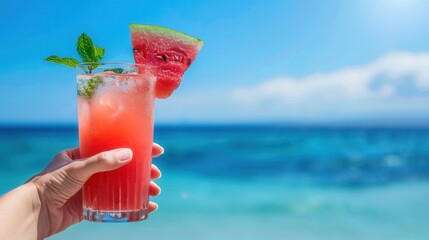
(115,110)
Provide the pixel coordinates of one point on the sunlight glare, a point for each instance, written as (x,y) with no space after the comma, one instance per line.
(397,15)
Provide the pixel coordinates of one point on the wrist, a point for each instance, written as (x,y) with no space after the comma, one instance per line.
(31,191)
(22,207)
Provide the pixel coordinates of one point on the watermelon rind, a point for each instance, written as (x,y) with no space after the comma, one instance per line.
(167,32)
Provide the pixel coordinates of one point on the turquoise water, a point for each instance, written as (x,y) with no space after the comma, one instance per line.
(258,182)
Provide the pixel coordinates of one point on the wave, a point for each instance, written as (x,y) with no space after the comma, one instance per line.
(352,156)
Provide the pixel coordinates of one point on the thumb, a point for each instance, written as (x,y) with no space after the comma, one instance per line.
(102,162)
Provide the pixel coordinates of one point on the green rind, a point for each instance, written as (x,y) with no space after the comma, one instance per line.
(167,32)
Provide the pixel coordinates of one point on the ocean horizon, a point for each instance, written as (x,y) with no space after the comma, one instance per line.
(254,181)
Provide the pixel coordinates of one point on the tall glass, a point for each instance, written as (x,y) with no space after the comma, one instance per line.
(115,110)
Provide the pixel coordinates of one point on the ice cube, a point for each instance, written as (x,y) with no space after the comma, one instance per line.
(110,102)
(121,82)
(129,70)
(145,82)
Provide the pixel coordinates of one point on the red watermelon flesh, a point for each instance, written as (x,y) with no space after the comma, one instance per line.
(172,52)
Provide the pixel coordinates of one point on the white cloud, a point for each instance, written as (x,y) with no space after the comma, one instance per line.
(392,88)
(395,75)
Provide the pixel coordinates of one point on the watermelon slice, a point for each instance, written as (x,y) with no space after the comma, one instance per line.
(170,51)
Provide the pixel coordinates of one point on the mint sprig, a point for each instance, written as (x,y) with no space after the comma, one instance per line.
(87,51)
(86,88)
(70,62)
(115,70)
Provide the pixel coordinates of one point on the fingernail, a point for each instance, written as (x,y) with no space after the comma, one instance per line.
(123,155)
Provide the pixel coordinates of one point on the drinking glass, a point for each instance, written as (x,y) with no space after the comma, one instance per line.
(115,110)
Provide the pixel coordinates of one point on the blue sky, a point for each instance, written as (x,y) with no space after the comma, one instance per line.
(263,61)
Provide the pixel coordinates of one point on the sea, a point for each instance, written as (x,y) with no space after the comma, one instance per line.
(259,182)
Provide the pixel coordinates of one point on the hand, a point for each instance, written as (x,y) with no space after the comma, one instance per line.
(59,186)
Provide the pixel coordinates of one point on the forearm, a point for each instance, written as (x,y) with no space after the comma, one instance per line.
(19,210)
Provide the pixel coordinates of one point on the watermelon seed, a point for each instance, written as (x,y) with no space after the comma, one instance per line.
(163,57)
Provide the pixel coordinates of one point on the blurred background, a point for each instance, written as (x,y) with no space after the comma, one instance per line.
(298,120)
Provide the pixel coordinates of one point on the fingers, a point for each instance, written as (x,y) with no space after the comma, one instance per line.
(154,189)
(157,150)
(73,153)
(155,172)
(152,206)
(61,159)
(102,162)
(110,160)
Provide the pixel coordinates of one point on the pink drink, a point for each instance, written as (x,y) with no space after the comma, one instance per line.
(118,114)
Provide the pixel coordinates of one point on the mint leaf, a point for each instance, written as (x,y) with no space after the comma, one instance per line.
(70,62)
(115,70)
(86,48)
(86,88)
(99,53)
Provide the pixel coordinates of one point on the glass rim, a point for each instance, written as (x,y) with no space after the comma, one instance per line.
(83,64)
